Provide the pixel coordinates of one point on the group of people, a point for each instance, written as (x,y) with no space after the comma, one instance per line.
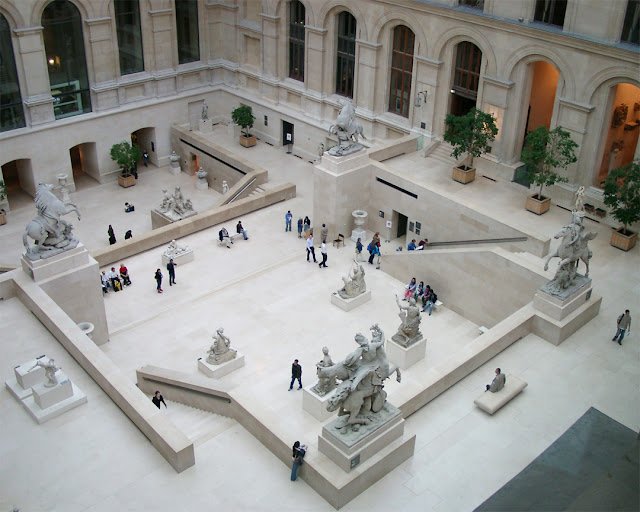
(420,293)
(303,225)
(114,280)
(374,248)
(171,270)
(413,247)
(111,232)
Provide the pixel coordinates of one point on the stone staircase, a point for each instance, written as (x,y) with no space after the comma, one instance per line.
(198,425)
(256,191)
(442,154)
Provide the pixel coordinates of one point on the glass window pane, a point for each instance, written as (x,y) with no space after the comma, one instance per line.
(631,27)
(345,65)
(187,31)
(296,40)
(11,111)
(129,36)
(401,70)
(64,48)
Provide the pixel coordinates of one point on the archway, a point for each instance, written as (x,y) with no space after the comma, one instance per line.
(145,139)
(18,177)
(84,165)
(620,146)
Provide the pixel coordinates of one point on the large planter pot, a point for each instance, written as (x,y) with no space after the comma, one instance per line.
(128,180)
(3,217)
(463,175)
(538,206)
(247,142)
(623,240)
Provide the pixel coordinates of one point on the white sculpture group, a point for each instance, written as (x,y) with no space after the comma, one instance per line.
(221,351)
(174,206)
(347,129)
(174,250)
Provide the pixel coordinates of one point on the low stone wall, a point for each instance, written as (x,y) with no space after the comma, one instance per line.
(126,248)
(404,145)
(170,442)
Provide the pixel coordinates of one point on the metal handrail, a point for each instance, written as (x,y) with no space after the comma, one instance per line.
(240,191)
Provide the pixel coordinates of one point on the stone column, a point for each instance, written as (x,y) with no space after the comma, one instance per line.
(164,50)
(495,96)
(573,117)
(103,56)
(270,56)
(315,43)
(367,61)
(426,71)
(37,98)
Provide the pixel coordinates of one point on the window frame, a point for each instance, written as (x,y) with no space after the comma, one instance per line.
(190,7)
(15,108)
(296,39)
(139,66)
(347,26)
(403,40)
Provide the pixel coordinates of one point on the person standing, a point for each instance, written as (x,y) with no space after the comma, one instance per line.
(158,278)
(158,399)
(296,373)
(112,235)
(624,325)
(311,249)
(145,157)
(324,232)
(287,218)
(128,235)
(359,250)
(323,250)
(298,453)
(299,227)
(171,269)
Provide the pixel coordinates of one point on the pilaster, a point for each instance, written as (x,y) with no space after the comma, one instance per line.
(573,117)
(367,74)
(163,44)
(102,49)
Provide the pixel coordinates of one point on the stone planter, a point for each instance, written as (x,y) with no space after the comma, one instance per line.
(623,241)
(128,180)
(3,217)
(248,142)
(463,176)
(538,206)
(359,218)
(86,328)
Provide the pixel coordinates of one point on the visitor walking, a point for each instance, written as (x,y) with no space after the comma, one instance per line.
(287,218)
(145,158)
(112,235)
(324,232)
(323,250)
(296,373)
(171,268)
(298,453)
(158,399)
(624,325)
(359,250)
(158,278)
(311,249)
(299,227)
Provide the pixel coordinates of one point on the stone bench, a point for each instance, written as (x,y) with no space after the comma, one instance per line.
(490,402)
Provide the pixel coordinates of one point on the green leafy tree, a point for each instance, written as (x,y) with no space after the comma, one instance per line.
(243,116)
(622,194)
(470,133)
(545,151)
(126,156)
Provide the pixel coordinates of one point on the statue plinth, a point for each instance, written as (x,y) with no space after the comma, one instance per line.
(349,304)
(341,164)
(315,404)
(205,126)
(24,380)
(558,303)
(349,450)
(215,371)
(48,402)
(180,258)
(405,357)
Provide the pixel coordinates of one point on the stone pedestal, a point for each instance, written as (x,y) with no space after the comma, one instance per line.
(351,449)
(69,278)
(406,357)
(216,371)
(340,164)
(561,313)
(202,184)
(205,126)
(47,403)
(20,386)
(316,405)
(181,259)
(349,304)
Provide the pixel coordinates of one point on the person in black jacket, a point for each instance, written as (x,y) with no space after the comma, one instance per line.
(296,373)
(157,399)
(431,300)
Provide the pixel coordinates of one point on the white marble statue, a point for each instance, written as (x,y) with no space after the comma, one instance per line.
(354,284)
(360,395)
(225,187)
(579,206)
(205,110)
(52,234)
(50,370)
(409,330)
(174,250)
(325,384)
(220,352)
(347,129)
(174,205)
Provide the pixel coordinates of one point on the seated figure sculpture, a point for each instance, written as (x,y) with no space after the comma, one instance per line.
(354,284)
(220,352)
(174,206)
(360,395)
(174,249)
(325,384)
(409,330)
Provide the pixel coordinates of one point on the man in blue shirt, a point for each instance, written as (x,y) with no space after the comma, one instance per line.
(412,245)
(288,218)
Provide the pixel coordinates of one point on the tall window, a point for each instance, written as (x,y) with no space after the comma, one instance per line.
(631,27)
(346,64)
(129,36)
(550,11)
(187,28)
(11,112)
(466,78)
(64,47)
(401,69)
(296,40)
(476,4)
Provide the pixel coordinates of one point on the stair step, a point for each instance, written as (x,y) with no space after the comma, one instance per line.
(198,425)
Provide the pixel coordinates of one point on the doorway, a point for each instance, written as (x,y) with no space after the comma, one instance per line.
(18,177)
(84,165)
(195,164)
(402,225)
(287,133)
(144,138)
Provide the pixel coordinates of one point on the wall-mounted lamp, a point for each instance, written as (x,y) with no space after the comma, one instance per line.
(452,91)
(419,100)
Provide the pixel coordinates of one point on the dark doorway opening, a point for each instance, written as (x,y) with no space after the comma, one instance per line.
(402,225)
(287,133)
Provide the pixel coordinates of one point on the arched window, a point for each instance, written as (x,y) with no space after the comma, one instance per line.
(129,36)
(401,70)
(466,78)
(64,47)
(296,40)
(187,31)
(11,111)
(346,54)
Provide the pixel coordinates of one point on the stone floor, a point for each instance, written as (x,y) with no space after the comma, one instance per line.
(275,307)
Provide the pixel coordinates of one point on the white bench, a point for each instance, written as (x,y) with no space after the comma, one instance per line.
(490,402)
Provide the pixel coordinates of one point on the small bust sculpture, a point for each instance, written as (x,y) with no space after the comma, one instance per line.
(326,383)
(220,352)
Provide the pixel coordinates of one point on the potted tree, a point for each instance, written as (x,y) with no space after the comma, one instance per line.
(126,156)
(3,196)
(545,151)
(622,195)
(243,116)
(470,134)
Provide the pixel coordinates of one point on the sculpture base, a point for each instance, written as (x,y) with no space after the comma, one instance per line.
(202,184)
(205,125)
(339,151)
(47,403)
(340,164)
(404,342)
(215,371)
(316,405)
(405,357)
(181,259)
(24,380)
(159,219)
(560,304)
(36,253)
(349,304)
(359,233)
(353,448)
(174,168)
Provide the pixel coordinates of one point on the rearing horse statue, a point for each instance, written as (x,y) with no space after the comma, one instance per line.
(572,249)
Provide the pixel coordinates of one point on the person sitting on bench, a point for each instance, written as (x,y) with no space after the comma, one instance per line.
(113,277)
(225,234)
(498,382)
(124,274)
